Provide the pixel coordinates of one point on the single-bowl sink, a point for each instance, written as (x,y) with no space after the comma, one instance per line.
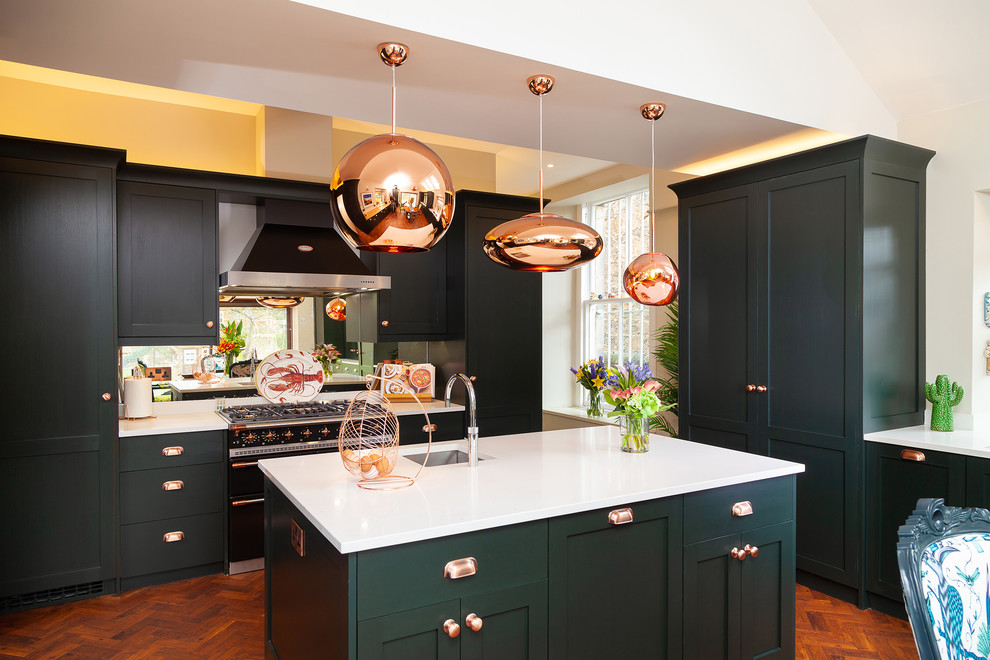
(442,457)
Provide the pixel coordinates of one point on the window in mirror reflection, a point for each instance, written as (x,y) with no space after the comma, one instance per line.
(265,329)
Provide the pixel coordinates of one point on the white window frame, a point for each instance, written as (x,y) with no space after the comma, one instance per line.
(588,304)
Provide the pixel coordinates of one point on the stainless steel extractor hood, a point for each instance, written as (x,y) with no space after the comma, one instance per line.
(295,251)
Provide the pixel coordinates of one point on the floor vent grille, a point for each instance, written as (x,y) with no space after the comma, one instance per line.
(50,596)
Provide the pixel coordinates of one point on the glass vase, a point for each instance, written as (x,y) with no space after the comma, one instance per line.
(635,431)
(228,362)
(595,404)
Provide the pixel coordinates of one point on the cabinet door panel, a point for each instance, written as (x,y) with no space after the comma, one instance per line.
(514,624)
(175,227)
(416,305)
(805,281)
(893,489)
(718,314)
(767,616)
(711,600)
(641,584)
(414,633)
(827,500)
(977,482)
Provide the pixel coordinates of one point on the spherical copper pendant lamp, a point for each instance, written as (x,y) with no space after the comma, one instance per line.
(542,242)
(392,193)
(652,279)
(337,309)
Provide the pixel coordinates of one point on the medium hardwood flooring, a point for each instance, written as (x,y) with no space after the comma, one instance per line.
(222,617)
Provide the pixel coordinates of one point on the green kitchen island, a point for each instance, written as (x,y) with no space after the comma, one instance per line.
(558,545)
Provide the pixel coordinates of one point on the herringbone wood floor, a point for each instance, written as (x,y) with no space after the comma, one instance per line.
(222,617)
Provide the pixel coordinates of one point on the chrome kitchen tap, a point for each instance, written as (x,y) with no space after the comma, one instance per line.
(472,432)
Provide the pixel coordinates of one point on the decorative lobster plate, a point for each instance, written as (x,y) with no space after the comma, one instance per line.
(290,376)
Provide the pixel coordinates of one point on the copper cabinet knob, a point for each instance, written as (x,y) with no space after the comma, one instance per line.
(473,622)
(384,324)
(738,554)
(750,388)
(209,324)
(472,378)
(106,396)
(751,550)
(761,388)
(451,628)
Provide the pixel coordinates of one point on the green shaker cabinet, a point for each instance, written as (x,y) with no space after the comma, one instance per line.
(802,318)
(599,584)
(167,264)
(616,569)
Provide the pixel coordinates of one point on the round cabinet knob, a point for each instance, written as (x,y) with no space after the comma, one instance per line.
(751,550)
(472,378)
(384,324)
(473,622)
(451,628)
(209,324)
(106,396)
(738,554)
(750,388)
(761,388)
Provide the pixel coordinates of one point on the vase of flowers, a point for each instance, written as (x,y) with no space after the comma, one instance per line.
(231,343)
(633,393)
(329,356)
(592,375)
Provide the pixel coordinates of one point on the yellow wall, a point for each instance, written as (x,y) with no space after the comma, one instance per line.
(151,132)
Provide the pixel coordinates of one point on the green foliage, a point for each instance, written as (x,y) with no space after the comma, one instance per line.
(666,354)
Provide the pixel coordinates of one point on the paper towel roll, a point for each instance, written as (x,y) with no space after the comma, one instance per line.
(137,397)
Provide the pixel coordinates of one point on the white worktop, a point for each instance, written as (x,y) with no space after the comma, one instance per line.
(191,416)
(529,476)
(962,441)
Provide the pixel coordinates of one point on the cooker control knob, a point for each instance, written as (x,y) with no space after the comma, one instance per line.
(307,433)
(270,435)
(288,434)
(250,437)
(324,431)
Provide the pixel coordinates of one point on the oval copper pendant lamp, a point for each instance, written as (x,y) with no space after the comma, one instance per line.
(278,302)
(337,309)
(392,193)
(542,242)
(651,278)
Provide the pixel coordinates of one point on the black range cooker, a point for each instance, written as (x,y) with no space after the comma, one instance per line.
(266,431)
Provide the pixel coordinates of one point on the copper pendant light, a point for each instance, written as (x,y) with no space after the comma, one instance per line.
(278,302)
(227,299)
(392,193)
(337,309)
(652,279)
(542,242)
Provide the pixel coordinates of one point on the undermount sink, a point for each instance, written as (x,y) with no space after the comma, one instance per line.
(444,457)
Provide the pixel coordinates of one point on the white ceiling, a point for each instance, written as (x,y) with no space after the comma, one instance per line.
(915,57)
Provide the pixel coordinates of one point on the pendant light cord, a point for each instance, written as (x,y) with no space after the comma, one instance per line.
(393,99)
(653,182)
(541,158)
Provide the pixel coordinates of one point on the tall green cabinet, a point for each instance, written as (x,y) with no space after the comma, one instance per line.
(57,448)
(802,324)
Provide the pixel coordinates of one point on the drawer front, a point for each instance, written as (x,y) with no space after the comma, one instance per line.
(412,575)
(146,452)
(709,514)
(172,492)
(144,551)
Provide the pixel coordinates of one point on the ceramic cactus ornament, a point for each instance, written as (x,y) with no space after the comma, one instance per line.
(943,397)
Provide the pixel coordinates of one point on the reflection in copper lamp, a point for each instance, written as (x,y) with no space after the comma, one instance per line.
(392,193)
(652,279)
(278,302)
(337,309)
(542,242)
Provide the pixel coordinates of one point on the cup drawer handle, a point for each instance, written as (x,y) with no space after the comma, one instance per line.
(178,484)
(740,509)
(172,537)
(620,516)
(460,568)
(172,451)
(913,455)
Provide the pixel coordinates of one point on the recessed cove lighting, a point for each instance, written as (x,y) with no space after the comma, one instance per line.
(549,164)
(304,248)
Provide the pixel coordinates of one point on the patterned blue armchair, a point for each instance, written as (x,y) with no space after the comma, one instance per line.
(944,556)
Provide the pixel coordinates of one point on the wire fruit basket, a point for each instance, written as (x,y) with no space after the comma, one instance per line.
(368,441)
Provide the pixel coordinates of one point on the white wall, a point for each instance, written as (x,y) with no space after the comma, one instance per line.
(958,249)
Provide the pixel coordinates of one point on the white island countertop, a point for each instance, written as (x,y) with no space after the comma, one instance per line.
(529,476)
